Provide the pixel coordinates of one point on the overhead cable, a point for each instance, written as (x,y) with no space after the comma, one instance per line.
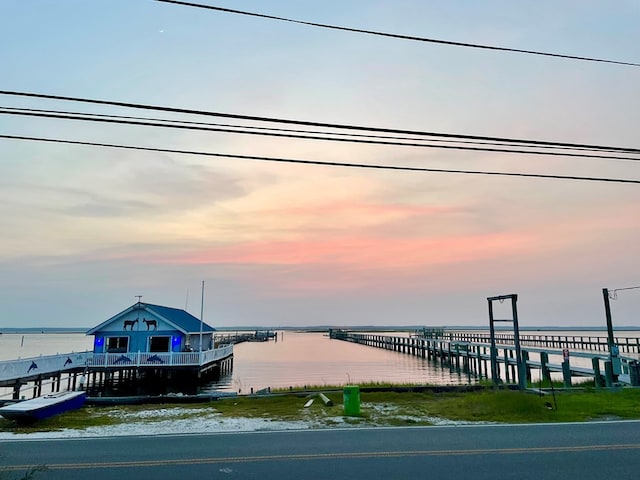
(395,35)
(307,123)
(323,163)
(169,122)
(321,136)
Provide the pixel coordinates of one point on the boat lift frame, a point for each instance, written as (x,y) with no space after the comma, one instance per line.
(520,364)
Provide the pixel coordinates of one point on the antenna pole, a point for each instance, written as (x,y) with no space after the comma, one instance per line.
(201,314)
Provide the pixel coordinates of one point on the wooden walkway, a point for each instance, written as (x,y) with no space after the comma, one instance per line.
(581,342)
(98,371)
(472,353)
(240,337)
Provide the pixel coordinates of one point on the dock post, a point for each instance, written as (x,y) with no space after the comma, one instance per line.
(525,364)
(506,365)
(608,373)
(544,360)
(16,390)
(566,372)
(597,378)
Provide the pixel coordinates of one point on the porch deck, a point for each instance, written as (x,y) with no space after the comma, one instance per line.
(29,369)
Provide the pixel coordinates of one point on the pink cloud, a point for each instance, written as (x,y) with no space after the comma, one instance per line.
(361,252)
(366,209)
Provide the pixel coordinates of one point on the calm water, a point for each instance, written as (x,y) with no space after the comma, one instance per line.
(299,359)
(296,359)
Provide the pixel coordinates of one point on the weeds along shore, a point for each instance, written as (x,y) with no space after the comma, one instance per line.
(381,405)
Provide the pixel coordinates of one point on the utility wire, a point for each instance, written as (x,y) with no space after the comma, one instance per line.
(394,35)
(322,163)
(320,137)
(309,123)
(166,122)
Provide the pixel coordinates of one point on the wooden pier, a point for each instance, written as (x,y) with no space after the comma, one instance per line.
(471,353)
(240,337)
(118,374)
(574,342)
(57,371)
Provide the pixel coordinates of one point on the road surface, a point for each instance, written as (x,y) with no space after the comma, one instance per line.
(551,451)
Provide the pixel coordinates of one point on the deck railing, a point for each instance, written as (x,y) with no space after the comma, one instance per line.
(145,359)
(12,370)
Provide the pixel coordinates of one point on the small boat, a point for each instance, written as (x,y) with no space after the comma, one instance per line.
(43,407)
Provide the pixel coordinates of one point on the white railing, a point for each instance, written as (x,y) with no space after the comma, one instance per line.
(44,365)
(146,359)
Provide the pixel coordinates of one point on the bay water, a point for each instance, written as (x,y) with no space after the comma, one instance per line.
(296,359)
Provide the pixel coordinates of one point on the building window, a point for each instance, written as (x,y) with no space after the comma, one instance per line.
(159,344)
(117,344)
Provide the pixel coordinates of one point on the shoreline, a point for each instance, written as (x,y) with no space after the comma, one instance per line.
(433,406)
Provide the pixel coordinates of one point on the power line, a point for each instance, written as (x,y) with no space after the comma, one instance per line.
(322,163)
(10,110)
(394,35)
(321,136)
(172,123)
(307,123)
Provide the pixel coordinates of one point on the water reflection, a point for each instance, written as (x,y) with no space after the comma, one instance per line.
(299,359)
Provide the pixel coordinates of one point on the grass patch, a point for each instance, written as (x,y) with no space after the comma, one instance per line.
(278,407)
(75,419)
(506,406)
(386,408)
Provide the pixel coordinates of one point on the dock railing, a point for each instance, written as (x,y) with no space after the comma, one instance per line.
(27,368)
(472,352)
(22,368)
(146,359)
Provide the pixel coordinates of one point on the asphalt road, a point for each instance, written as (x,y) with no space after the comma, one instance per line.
(566,451)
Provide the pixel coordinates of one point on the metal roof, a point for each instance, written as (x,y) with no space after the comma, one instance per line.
(180,319)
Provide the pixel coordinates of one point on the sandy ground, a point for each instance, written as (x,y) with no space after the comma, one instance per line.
(183,420)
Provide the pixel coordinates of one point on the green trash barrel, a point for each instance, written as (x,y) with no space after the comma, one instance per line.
(351,397)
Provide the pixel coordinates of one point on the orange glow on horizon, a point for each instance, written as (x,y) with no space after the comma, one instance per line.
(362,252)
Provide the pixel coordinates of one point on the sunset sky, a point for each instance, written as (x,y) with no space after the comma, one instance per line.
(86,229)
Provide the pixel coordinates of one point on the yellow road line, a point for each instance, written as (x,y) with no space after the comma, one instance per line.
(329,456)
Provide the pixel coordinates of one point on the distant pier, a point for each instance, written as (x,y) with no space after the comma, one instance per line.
(240,337)
(472,353)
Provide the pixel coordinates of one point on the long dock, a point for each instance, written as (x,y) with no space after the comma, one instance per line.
(472,353)
(576,342)
(240,337)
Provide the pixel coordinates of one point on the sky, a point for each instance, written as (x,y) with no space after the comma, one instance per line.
(84,230)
